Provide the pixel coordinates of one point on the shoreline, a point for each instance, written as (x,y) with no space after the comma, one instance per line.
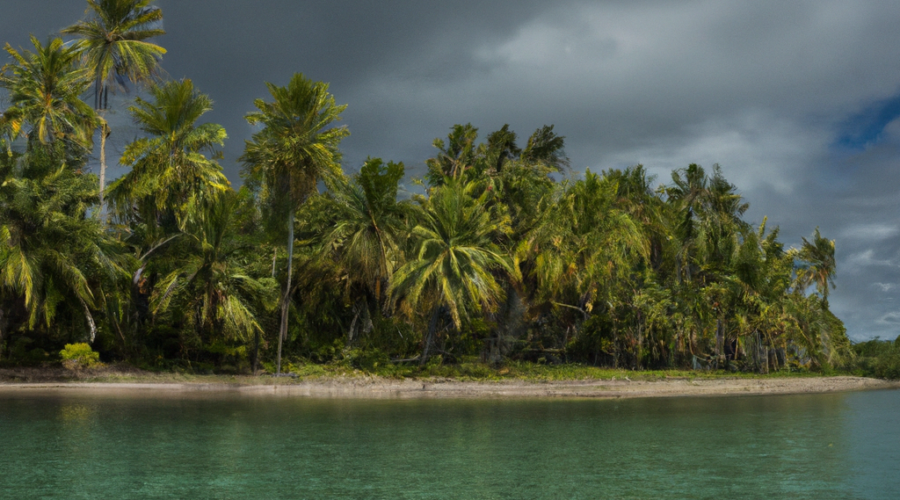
(379,388)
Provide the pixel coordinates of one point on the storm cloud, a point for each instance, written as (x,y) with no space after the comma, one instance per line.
(798,102)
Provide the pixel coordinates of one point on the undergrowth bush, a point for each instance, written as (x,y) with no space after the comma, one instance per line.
(877,358)
(79,355)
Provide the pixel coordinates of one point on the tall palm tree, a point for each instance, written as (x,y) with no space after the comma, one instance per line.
(45,88)
(297,146)
(175,165)
(114,47)
(455,156)
(710,210)
(456,259)
(208,284)
(368,222)
(366,227)
(51,255)
(583,244)
(817,264)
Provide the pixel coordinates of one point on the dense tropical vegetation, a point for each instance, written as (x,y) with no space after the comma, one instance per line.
(503,255)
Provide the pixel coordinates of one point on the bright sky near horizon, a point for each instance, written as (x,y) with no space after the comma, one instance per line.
(799,102)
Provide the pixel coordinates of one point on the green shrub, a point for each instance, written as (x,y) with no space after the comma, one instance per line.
(367,360)
(22,354)
(888,366)
(79,356)
(877,358)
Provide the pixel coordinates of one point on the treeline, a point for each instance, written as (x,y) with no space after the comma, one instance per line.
(501,255)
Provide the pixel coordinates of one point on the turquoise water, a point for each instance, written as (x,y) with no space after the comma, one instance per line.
(809,446)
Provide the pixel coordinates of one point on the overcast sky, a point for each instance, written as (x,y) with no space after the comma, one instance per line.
(797,101)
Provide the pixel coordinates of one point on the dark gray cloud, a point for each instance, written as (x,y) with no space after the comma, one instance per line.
(798,102)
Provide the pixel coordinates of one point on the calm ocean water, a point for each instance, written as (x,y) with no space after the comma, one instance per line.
(806,446)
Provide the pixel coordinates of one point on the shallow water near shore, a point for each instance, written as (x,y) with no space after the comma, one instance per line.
(60,445)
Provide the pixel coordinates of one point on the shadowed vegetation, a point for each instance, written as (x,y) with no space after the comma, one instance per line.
(499,258)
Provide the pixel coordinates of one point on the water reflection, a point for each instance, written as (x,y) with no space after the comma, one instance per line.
(814,446)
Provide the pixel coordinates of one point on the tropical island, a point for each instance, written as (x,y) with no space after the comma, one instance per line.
(501,263)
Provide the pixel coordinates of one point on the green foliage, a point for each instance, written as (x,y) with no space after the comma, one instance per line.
(22,352)
(207,279)
(79,355)
(53,258)
(283,162)
(297,145)
(45,87)
(113,43)
(501,259)
(877,358)
(457,252)
(170,173)
(362,224)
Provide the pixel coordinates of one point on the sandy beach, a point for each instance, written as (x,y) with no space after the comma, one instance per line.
(380,388)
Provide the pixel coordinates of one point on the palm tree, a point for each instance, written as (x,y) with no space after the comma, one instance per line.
(114,47)
(51,255)
(297,146)
(455,156)
(456,258)
(169,169)
(710,211)
(44,92)
(209,285)
(583,244)
(366,228)
(817,264)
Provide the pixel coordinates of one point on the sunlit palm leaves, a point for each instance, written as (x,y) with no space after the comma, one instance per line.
(209,286)
(114,48)
(297,147)
(45,89)
(170,168)
(583,244)
(51,255)
(113,43)
(458,258)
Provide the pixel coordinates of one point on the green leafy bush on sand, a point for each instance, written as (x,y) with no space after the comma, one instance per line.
(79,356)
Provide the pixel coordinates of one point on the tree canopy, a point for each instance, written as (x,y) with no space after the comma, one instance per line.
(499,252)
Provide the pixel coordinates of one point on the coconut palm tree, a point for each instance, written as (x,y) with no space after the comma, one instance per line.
(367,225)
(583,244)
(454,156)
(456,258)
(10,127)
(296,147)
(175,165)
(208,286)
(710,210)
(51,255)
(114,49)
(817,264)
(45,88)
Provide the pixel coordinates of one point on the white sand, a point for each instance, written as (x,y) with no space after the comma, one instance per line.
(379,388)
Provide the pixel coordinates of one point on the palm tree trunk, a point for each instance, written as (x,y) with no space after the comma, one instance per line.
(432,327)
(255,351)
(90,319)
(2,327)
(720,340)
(104,133)
(286,301)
